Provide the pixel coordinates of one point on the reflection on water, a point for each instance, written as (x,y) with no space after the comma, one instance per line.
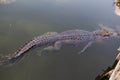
(25,19)
(6,1)
(117,7)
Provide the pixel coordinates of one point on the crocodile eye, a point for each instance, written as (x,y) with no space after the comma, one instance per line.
(107,33)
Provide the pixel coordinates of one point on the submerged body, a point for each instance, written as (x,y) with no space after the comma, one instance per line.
(54,41)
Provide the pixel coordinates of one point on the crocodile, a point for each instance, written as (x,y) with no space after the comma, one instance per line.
(55,40)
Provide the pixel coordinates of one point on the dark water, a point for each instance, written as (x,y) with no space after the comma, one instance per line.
(24,19)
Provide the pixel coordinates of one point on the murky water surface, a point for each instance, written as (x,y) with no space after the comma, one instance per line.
(22,20)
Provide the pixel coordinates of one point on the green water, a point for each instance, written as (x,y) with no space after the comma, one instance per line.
(24,19)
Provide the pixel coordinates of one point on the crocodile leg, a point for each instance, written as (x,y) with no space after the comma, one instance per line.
(86,46)
(57,46)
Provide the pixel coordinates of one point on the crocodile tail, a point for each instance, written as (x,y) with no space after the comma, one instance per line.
(37,41)
(18,55)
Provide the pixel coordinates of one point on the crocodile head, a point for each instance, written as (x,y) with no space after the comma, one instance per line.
(109,32)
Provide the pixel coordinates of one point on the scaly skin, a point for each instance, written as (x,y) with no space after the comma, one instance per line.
(55,40)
